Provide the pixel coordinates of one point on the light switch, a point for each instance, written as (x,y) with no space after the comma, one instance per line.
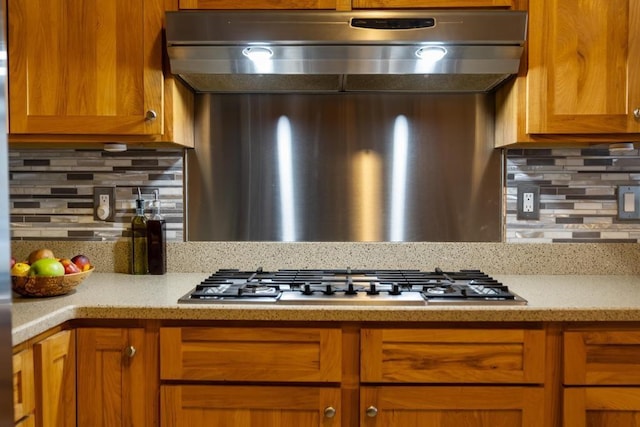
(629,202)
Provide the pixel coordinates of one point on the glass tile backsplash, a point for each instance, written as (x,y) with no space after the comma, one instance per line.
(51,193)
(578,195)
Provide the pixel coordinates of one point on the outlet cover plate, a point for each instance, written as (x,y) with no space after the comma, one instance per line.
(629,202)
(531,214)
(111,193)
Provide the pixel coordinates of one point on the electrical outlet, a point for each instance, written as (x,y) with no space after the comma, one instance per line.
(629,202)
(104,204)
(528,202)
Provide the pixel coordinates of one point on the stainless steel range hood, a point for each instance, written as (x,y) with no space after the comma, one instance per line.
(329,51)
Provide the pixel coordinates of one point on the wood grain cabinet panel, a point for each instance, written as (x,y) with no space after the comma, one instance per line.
(506,406)
(602,407)
(116,385)
(85,67)
(259,4)
(602,357)
(453,356)
(248,406)
(413,4)
(24,400)
(251,354)
(584,67)
(55,380)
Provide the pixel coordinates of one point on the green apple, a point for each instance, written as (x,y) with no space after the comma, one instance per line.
(46,267)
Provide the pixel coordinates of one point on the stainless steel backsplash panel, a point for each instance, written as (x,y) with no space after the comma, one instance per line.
(348,167)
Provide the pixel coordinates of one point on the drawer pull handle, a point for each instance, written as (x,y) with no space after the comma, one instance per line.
(372,411)
(130,351)
(329,412)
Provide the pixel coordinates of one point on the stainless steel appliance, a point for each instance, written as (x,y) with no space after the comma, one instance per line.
(6,373)
(389,50)
(352,287)
(352,167)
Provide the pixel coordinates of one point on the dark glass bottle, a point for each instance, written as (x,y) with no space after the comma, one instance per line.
(156,239)
(139,239)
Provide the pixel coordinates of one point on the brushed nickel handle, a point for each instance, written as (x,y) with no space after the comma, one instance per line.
(130,351)
(636,113)
(329,412)
(372,411)
(151,115)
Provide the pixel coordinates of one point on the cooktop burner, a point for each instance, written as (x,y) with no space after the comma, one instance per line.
(352,287)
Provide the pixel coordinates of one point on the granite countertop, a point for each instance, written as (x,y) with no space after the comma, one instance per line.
(122,296)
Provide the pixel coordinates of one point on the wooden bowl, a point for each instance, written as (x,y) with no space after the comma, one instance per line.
(36,286)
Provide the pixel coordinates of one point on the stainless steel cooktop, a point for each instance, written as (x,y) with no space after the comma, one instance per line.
(352,287)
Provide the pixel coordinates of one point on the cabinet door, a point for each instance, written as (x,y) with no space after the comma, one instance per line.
(85,67)
(112,380)
(249,406)
(451,406)
(602,407)
(55,380)
(24,399)
(584,67)
(259,4)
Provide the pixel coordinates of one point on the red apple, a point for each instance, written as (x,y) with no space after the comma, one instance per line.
(13,262)
(82,262)
(69,266)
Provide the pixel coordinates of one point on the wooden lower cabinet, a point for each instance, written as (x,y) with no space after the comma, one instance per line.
(116,384)
(602,407)
(24,400)
(249,406)
(469,406)
(55,376)
(601,377)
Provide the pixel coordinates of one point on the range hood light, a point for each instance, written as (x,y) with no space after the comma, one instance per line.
(257,53)
(431,53)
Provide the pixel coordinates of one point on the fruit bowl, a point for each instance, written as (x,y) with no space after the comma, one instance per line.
(39,286)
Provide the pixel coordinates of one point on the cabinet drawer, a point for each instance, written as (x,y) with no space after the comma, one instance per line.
(601,406)
(256,406)
(23,385)
(257,4)
(397,4)
(602,357)
(251,354)
(453,356)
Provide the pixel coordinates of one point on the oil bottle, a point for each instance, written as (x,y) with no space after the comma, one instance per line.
(139,263)
(156,238)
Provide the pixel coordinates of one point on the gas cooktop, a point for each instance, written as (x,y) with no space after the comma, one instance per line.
(352,287)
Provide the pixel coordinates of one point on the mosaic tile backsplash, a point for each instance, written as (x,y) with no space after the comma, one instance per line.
(51,193)
(578,195)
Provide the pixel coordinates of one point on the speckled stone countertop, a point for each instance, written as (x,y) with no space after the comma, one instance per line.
(122,296)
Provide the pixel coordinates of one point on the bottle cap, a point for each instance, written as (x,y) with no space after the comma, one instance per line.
(139,200)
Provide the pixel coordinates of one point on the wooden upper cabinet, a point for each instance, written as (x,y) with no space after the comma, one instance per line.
(414,4)
(263,4)
(584,67)
(85,67)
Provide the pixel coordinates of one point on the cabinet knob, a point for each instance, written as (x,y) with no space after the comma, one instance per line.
(329,412)
(372,411)
(636,113)
(130,351)
(151,115)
